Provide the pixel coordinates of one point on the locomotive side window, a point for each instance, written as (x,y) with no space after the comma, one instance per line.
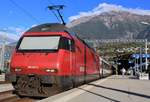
(66,44)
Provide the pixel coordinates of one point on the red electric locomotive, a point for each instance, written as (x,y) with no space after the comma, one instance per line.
(49,59)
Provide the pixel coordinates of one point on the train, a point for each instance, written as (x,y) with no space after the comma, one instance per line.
(49,59)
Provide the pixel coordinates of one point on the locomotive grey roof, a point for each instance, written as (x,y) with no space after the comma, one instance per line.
(48,27)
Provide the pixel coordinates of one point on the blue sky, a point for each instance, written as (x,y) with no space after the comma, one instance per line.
(19,15)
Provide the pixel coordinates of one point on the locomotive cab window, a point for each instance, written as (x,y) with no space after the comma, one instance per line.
(39,43)
(67,44)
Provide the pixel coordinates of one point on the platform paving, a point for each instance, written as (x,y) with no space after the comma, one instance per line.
(6,87)
(2,77)
(111,89)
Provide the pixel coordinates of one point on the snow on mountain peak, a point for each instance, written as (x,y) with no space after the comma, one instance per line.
(104,7)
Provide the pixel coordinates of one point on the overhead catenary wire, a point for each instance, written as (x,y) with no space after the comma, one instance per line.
(24,10)
(50,2)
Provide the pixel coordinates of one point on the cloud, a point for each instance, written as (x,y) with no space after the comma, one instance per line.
(34,25)
(9,37)
(12,33)
(16,30)
(104,7)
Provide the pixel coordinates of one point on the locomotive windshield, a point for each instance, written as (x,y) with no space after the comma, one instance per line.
(39,43)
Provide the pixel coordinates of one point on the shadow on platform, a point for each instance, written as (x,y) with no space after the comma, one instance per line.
(99,95)
(124,77)
(123,91)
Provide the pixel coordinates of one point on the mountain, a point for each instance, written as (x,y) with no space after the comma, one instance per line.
(111,24)
(145,34)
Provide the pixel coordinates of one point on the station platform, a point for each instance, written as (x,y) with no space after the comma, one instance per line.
(6,87)
(110,89)
(2,77)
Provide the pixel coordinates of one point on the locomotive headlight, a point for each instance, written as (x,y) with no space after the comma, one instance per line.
(51,70)
(18,69)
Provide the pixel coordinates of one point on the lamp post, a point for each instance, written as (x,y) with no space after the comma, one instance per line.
(2,59)
(141,59)
(146,61)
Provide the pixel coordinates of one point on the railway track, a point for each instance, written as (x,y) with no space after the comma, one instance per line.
(4,82)
(8,96)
